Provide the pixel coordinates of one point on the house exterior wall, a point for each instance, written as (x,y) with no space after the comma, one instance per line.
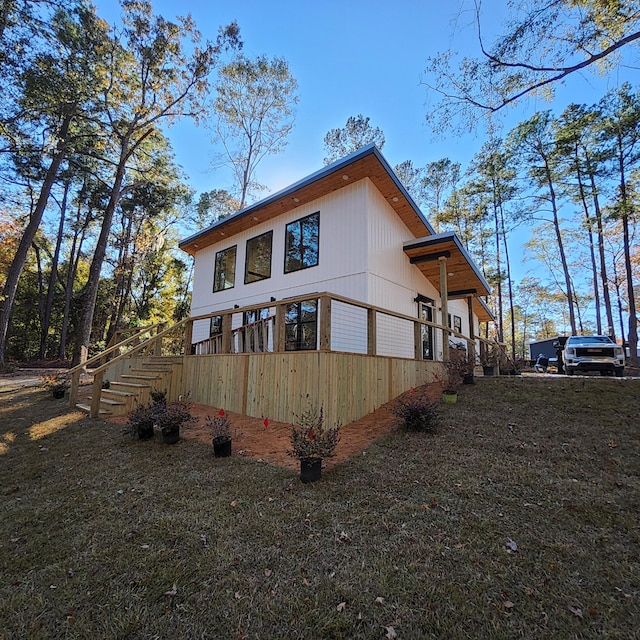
(341,265)
(360,257)
(394,283)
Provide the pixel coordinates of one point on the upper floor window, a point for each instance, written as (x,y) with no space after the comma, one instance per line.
(258,262)
(301,243)
(225,271)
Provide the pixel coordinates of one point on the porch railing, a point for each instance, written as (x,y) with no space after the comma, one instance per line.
(366,322)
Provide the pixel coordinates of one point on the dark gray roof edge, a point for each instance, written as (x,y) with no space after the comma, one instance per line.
(447,236)
(485,306)
(317,175)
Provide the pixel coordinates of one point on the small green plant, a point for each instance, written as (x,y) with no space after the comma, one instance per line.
(418,411)
(219,427)
(311,439)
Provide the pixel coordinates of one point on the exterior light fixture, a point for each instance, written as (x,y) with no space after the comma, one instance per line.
(345,177)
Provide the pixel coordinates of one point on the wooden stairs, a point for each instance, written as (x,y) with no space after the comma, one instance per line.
(134,386)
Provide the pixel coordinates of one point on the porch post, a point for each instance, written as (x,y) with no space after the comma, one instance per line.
(444,299)
(226,332)
(279,332)
(325,323)
(372,329)
(472,335)
(188,336)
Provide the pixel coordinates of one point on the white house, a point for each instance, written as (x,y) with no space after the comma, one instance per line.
(335,291)
(350,230)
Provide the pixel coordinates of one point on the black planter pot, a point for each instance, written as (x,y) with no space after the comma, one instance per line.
(145,431)
(468,379)
(171,436)
(487,370)
(58,393)
(310,469)
(222,449)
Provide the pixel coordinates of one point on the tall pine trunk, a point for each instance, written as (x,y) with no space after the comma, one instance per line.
(20,259)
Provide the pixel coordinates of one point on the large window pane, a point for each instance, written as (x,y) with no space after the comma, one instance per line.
(225,272)
(301,243)
(258,263)
(301,326)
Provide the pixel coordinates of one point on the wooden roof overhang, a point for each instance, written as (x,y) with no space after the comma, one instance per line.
(368,162)
(463,277)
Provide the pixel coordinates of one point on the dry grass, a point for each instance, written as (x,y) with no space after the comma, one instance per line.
(517,519)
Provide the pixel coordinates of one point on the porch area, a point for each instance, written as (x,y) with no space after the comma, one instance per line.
(350,359)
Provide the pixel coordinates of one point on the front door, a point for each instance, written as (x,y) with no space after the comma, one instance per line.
(427,312)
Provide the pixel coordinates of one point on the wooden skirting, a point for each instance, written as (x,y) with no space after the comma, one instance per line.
(282,385)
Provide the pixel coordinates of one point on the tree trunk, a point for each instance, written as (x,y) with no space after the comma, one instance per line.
(601,254)
(19,260)
(90,294)
(592,253)
(563,257)
(53,277)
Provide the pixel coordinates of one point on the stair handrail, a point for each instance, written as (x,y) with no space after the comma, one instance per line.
(96,389)
(75,372)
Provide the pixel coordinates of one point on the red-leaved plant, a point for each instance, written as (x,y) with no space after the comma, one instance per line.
(311,439)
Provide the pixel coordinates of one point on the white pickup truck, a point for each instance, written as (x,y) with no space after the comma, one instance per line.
(593,353)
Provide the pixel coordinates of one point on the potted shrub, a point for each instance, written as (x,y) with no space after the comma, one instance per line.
(311,442)
(220,429)
(419,412)
(57,384)
(170,417)
(451,378)
(140,422)
(488,360)
(158,396)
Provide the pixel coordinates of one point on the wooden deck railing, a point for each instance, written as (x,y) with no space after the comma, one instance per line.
(129,342)
(268,334)
(152,345)
(231,340)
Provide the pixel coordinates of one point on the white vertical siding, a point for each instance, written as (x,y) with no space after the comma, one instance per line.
(360,257)
(341,263)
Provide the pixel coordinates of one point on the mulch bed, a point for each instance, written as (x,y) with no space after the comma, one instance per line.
(270,443)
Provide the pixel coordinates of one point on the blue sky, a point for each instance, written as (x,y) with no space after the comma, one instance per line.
(352,57)
(360,56)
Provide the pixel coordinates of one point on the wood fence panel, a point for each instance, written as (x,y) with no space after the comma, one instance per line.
(282,385)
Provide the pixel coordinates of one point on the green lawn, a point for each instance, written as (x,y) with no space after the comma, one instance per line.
(519,518)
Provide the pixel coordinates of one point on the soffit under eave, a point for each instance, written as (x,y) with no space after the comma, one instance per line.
(367,166)
(461,275)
